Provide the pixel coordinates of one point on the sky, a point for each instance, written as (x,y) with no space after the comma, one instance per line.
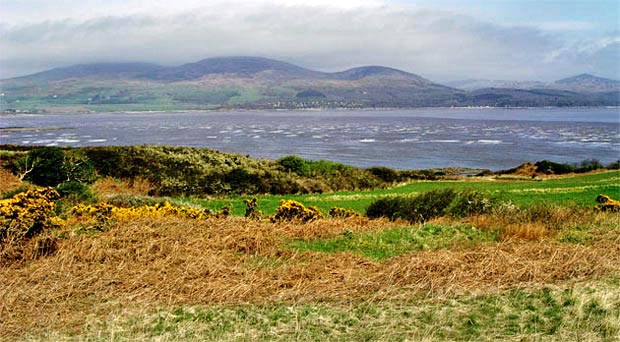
(442,40)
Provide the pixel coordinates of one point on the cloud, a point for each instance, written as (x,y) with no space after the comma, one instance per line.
(435,44)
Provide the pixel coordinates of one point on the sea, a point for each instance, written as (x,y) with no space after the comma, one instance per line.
(482,138)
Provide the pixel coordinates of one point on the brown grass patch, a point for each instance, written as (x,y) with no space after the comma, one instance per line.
(8,181)
(530,231)
(110,186)
(172,261)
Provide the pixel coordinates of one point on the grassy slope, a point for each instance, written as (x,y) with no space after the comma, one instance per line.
(578,190)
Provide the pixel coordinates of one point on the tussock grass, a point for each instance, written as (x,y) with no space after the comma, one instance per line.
(168,262)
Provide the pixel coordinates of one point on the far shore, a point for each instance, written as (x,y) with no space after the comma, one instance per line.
(82,110)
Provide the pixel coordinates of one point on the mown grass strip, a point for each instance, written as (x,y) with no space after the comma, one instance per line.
(385,244)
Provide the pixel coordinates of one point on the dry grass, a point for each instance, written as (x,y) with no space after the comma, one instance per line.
(110,186)
(538,223)
(531,231)
(172,261)
(8,181)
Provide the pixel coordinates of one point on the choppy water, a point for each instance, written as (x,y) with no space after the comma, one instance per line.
(407,139)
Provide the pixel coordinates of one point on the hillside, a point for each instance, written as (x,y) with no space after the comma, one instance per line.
(261,83)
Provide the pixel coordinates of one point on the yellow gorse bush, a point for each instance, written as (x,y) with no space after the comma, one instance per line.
(607,204)
(337,212)
(28,214)
(103,212)
(290,210)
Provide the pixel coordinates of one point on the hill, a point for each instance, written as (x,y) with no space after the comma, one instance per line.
(588,83)
(580,83)
(262,83)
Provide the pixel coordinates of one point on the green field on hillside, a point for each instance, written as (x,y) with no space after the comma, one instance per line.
(580,190)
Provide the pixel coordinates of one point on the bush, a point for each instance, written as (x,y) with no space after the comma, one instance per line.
(589,165)
(469,203)
(388,207)
(607,203)
(290,210)
(385,174)
(101,213)
(251,209)
(294,164)
(337,212)
(549,167)
(51,166)
(429,205)
(75,191)
(26,216)
(242,182)
(614,165)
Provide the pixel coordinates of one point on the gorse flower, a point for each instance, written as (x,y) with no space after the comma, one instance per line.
(607,203)
(290,210)
(102,213)
(28,214)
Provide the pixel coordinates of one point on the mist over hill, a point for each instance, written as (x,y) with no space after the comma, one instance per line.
(262,83)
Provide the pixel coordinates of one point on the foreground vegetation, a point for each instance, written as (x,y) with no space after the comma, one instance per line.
(102,257)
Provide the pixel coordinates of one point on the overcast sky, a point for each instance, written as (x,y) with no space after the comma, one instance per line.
(439,39)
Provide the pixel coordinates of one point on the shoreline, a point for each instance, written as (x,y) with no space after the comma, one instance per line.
(261,110)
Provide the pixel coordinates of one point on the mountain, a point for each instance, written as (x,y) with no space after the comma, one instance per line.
(238,66)
(96,70)
(587,83)
(262,83)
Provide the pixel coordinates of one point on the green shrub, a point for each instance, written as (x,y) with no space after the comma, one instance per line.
(75,191)
(241,181)
(589,165)
(42,166)
(388,207)
(549,167)
(294,164)
(385,174)
(429,205)
(614,165)
(51,166)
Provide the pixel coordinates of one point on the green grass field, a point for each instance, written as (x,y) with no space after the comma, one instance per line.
(580,190)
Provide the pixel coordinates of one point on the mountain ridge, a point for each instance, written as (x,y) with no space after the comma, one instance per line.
(263,83)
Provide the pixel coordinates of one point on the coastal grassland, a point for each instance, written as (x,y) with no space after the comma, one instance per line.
(543,264)
(224,279)
(571,190)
